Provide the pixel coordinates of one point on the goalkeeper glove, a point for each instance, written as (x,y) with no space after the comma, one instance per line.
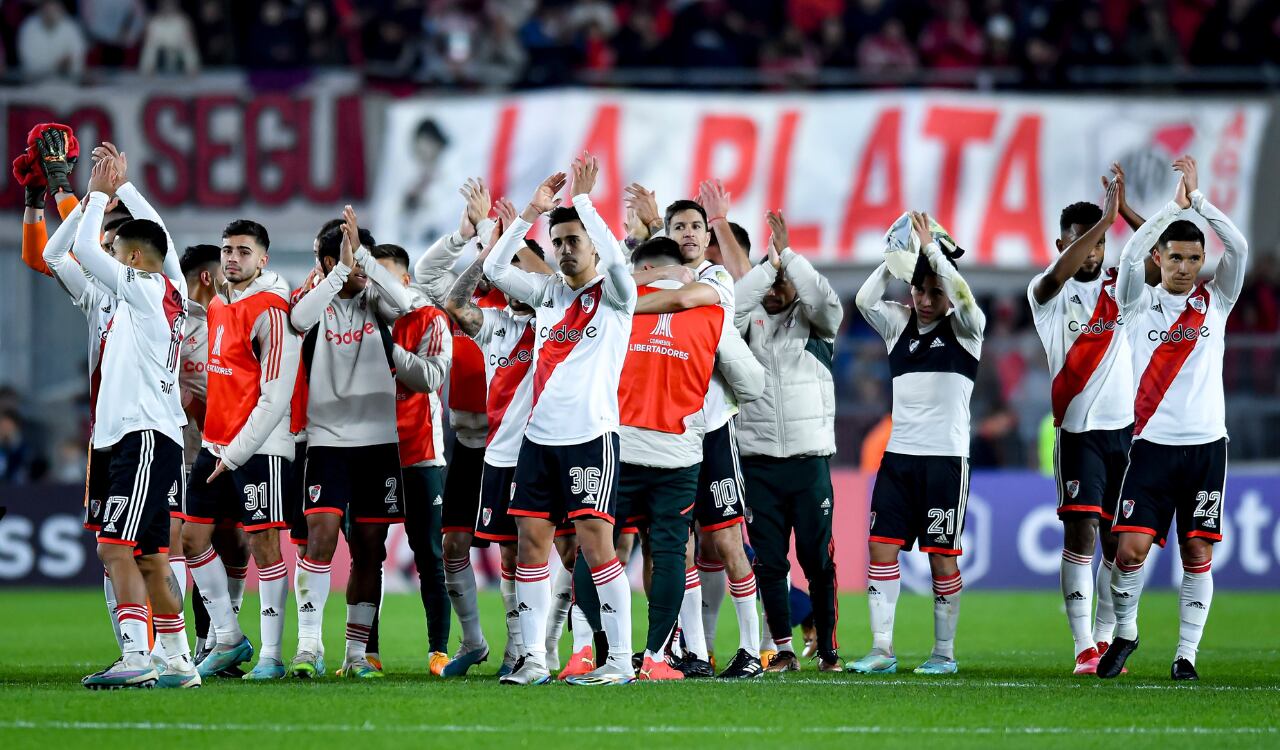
(57,166)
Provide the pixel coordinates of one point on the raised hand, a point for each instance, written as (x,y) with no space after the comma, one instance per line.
(585,170)
(1111,203)
(1190,174)
(350,238)
(779,240)
(645,204)
(714,200)
(476,195)
(54,162)
(102,177)
(120,165)
(506,211)
(920,224)
(544,198)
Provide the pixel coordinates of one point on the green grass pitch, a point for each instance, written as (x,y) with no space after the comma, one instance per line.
(1014,688)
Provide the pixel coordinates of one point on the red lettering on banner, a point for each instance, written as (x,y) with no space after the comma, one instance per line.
(602,142)
(265,166)
(502,145)
(955,128)
(805,238)
(881,152)
(347,180)
(209,152)
(725,131)
(164,156)
(1225,164)
(1001,218)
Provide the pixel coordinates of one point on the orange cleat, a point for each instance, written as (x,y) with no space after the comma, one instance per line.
(437,662)
(658,670)
(579,664)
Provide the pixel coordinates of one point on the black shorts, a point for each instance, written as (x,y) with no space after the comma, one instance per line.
(1168,482)
(296,494)
(361,482)
(920,500)
(567,482)
(494,524)
(1088,468)
(462,488)
(253,496)
(96,486)
(721,497)
(145,471)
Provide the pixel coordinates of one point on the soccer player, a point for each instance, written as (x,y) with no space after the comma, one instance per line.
(1178,461)
(789,315)
(1075,311)
(721,507)
(243,468)
(923,482)
(353,458)
(567,466)
(423,348)
(141,424)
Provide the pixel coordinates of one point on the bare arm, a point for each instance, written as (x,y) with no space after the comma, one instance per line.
(458,302)
(733,256)
(687,297)
(280,351)
(1069,260)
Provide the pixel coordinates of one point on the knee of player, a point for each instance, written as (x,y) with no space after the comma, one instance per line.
(456,545)
(1130,552)
(109,553)
(196,538)
(943,565)
(265,546)
(1080,536)
(1196,553)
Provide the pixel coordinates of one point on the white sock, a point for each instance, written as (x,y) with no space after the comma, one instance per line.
(1126,589)
(179,567)
(561,600)
(460,581)
(714,583)
(1104,619)
(946,613)
(533,601)
(615,610)
(744,606)
(691,615)
(133,630)
(311,587)
(209,574)
(359,622)
(582,635)
(235,586)
(273,590)
(109,594)
(1077,595)
(515,640)
(884,584)
(766,638)
(1194,600)
(171,634)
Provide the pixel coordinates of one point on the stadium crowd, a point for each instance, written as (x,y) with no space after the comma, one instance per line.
(505,43)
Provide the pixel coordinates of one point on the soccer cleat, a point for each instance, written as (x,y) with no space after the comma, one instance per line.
(875,662)
(526,672)
(122,675)
(606,674)
(223,658)
(636,660)
(694,668)
(375,659)
(307,665)
(1087,661)
(465,660)
(810,634)
(784,661)
(1102,649)
(179,676)
(104,669)
(437,662)
(1111,664)
(579,664)
(744,666)
(938,665)
(657,670)
(1183,670)
(766,656)
(266,669)
(361,669)
(829,662)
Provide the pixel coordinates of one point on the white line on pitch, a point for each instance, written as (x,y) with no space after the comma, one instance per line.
(945,682)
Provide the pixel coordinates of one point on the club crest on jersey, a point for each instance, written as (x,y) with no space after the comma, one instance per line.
(872,525)
(1110,289)
(913,345)
(1073,487)
(588,303)
(314,493)
(1126,508)
(1197,303)
(486,515)
(95,506)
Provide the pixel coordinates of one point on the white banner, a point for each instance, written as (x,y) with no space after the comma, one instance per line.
(995,170)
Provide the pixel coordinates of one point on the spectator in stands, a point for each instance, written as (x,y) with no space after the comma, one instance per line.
(275,38)
(1151,40)
(1235,32)
(500,58)
(1090,43)
(215,33)
(320,28)
(640,42)
(834,45)
(51,44)
(953,40)
(169,45)
(887,51)
(114,28)
(18,462)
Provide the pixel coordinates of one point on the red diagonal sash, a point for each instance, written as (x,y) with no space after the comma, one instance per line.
(1168,358)
(507,379)
(1086,351)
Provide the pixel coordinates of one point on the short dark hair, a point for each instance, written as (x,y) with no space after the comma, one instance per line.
(657,248)
(562,215)
(924,269)
(196,257)
(394,252)
(533,245)
(1181,231)
(146,233)
(1084,213)
(330,241)
(116,223)
(249,228)
(740,234)
(684,204)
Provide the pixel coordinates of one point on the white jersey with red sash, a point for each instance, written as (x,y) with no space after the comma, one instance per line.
(1178,346)
(467,392)
(1089,359)
(506,340)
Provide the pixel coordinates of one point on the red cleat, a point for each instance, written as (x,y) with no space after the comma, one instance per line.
(658,670)
(1102,649)
(1087,661)
(579,664)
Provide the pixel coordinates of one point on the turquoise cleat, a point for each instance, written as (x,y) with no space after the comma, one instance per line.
(266,669)
(361,669)
(220,658)
(465,660)
(307,665)
(938,665)
(184,676)
(876,662)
